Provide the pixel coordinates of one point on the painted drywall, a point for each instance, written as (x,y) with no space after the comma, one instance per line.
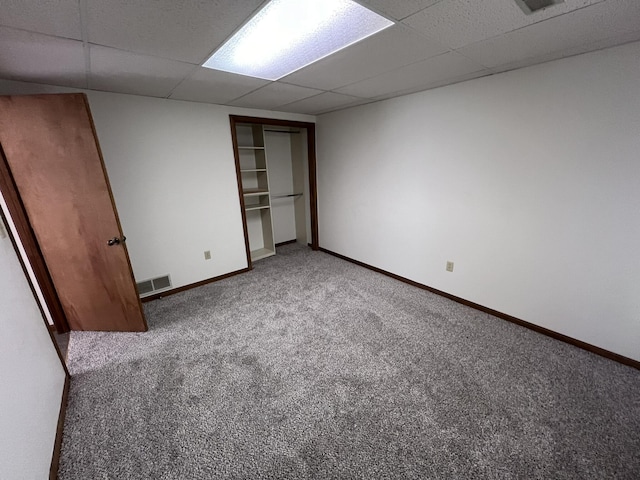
(173,177)
(32,375)
(25,260)
(278,147)
(300,154)
(172,172)
(529,181)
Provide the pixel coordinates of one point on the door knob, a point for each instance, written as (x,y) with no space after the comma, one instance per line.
(116,241)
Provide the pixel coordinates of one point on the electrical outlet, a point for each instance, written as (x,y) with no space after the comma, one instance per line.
(449,266)
(207,255)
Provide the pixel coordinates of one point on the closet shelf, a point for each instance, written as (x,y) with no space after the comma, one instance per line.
(252,192)
(251,162)
(255,207)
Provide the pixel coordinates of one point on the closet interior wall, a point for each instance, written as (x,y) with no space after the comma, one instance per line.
(286,150)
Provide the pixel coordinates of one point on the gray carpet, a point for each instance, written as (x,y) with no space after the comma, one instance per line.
(311,367)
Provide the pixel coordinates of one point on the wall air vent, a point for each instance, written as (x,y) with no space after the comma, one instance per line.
(146,287)
(532,6)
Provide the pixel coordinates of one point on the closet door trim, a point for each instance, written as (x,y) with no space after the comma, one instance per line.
(311,156)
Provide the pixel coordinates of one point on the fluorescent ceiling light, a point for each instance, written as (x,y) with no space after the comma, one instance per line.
(287,35)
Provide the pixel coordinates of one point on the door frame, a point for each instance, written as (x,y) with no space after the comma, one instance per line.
(311,159)
(27,238)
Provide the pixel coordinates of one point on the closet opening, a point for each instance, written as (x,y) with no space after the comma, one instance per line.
(276,170)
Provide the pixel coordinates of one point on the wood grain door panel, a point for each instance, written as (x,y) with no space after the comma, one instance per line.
(50,145)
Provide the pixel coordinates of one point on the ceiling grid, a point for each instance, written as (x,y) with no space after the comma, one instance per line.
(156,47)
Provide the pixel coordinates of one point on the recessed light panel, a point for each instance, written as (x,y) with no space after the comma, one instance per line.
(287,35)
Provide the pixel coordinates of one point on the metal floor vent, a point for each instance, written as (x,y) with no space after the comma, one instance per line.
(153,285)
(532,6)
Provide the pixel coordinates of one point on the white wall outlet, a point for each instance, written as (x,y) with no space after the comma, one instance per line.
(207,255)
(449,266)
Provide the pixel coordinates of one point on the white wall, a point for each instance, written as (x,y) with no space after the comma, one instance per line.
(300,163)
(32,376)
(173,178)
(529,181)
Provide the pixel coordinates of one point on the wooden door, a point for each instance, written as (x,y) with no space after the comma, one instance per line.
(24,232)
(52,150)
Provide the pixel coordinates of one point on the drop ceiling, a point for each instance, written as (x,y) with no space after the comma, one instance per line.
(156,47)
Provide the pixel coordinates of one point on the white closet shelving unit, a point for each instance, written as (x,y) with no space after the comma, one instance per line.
(255,189)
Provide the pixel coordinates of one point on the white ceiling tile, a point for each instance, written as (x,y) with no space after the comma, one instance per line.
(274,95)
(395,47)
(414,77)
(183,31)
(213,86)
(582,27)
(60,18)
(32,57)
(15,87)
(456,23)
(439,83)
(125,72)
(321,103)
(360,101)
(398,10)
(576,50)
(176,36)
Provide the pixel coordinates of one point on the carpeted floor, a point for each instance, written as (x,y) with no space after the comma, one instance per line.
(311,367)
